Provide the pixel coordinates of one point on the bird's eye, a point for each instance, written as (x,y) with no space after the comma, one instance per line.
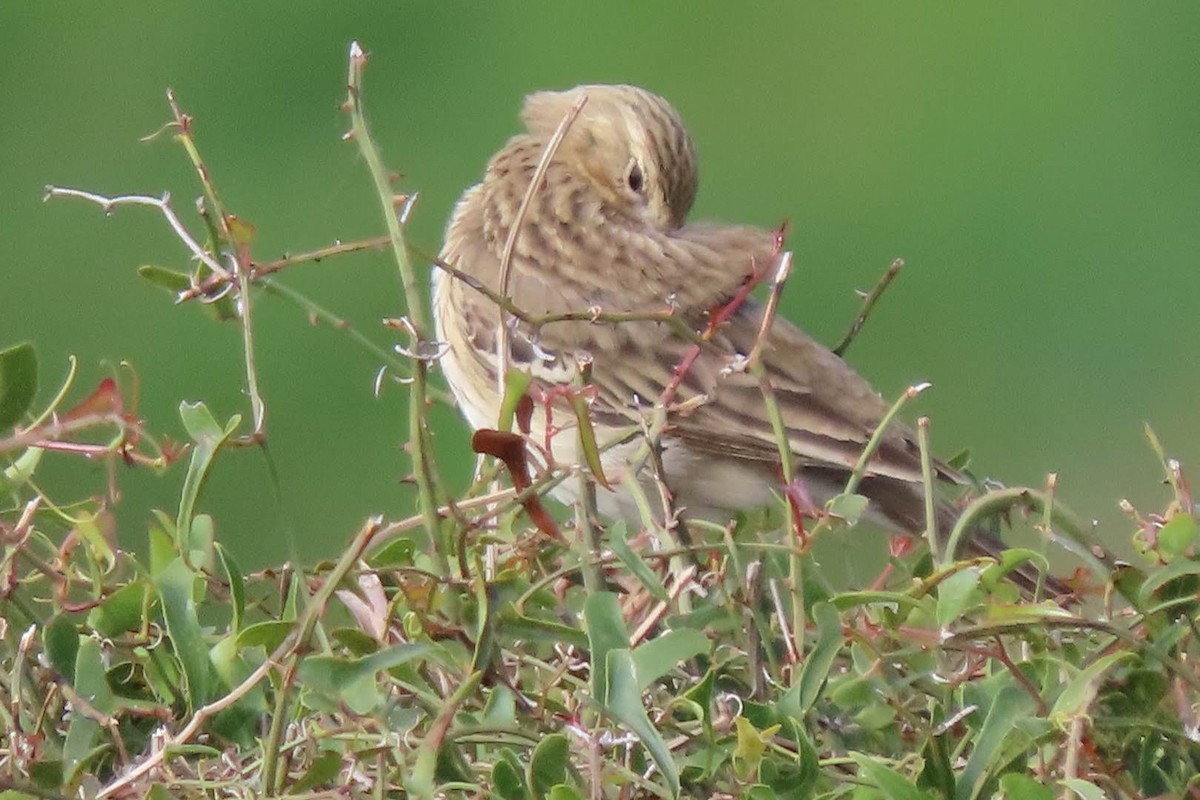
(636,179)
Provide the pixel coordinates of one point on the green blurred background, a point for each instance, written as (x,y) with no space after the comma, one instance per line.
(1037,165)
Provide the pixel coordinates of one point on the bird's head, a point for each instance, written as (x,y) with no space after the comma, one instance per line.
(630,145)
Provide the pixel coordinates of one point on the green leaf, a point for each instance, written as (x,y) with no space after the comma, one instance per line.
(501,708)
(1177,536)
(121,611)
(938,773)
(701,695)
(162,541)
(396,553)
(13,794)
(98,531)
(1010,705)
(894,785)
(849,507)
(820,660)
(1022,787)
(1081,690)
(864,597)
(354,680)
(61,640)
(587,438)
(617,540)
(269,634)
(485,631)
(548,765)
(21,470)
(174,282)
(18,383)
(208,437)
(795,781)
(605,631)
(175,591)
(1009,560)
(750,746)
(564,792)
(515,626)
(1085,789)
(659,655)
(507,782)
(323,769)
(954,593)
(624,704)
(237,588)
(516,383)
(1160,578)
(92,686)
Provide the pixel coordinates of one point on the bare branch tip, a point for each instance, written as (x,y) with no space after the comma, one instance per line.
(784,270)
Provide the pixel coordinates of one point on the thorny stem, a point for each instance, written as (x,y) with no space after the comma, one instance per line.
(419,440)
(257,271)
(787,464)
(239,241)
(868,304)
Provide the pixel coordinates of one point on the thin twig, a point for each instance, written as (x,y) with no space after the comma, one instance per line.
(931,531)
(783,271)
(259,271)
(237,238)
(793,633)
(163,204)
(419,441)
(45,435)
(864,459)
(868,304)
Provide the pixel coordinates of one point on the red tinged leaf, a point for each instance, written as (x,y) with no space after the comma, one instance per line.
(803,507)
(106,399)
(900,545)
(509,448)
(524,413)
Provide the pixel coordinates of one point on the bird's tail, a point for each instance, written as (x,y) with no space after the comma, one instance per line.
(903,504)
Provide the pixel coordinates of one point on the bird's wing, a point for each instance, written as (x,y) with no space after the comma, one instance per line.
(828,410)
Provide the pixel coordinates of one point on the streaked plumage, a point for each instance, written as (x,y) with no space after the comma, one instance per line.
(608,230)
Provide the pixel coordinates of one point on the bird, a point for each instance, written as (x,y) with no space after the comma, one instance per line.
(607,232)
